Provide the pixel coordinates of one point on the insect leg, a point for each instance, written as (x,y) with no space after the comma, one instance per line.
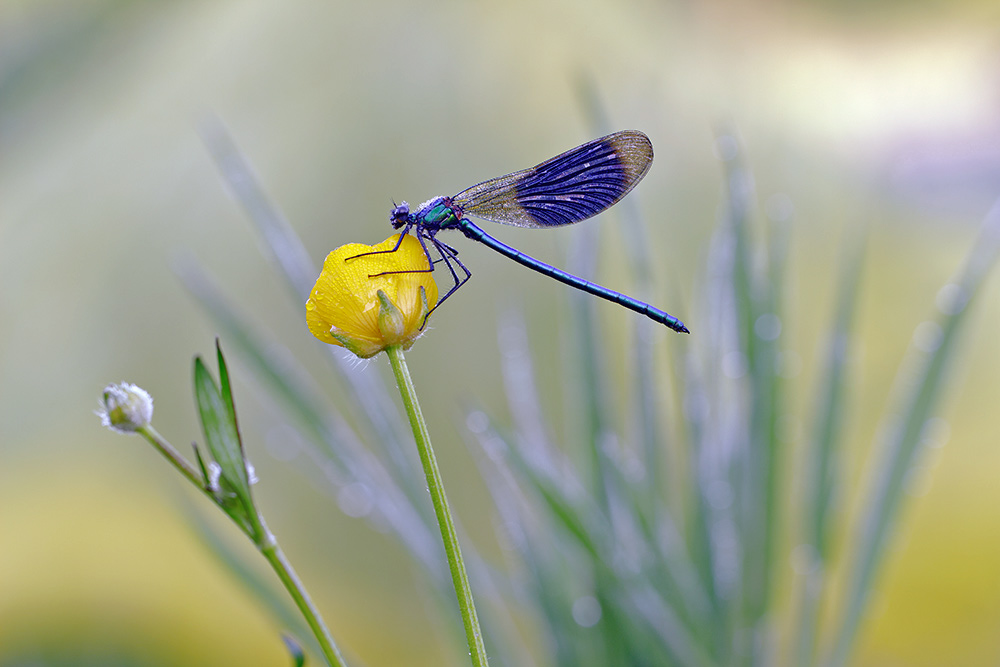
(399,242)
(448,255)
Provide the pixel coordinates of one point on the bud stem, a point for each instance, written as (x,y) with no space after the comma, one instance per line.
(172,455)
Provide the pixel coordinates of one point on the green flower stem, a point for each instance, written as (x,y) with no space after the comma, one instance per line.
(473,633)
(267,545)
(276,557)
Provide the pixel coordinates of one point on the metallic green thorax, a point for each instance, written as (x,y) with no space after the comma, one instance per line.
(438,213)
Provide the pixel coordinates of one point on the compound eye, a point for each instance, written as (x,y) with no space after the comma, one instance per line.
(400,214)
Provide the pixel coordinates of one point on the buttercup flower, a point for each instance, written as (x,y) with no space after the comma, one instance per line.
(353,307)
(125,407)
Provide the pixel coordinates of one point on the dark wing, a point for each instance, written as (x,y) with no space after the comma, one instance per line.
(570,187)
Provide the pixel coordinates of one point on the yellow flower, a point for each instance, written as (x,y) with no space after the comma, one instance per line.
(353,307)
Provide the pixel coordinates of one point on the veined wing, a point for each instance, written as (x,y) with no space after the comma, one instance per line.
(568,188)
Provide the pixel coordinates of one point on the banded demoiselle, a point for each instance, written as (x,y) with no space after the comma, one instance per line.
(568,188)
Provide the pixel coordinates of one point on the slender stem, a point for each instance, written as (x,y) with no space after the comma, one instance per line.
(276,557)
(473,633)
(266,543)
(172,455)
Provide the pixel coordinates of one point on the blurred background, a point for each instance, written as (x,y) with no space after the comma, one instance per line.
(880,116)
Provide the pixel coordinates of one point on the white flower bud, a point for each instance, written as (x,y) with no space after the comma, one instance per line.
(125,407)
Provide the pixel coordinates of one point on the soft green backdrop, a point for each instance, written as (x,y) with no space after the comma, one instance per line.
(878,114)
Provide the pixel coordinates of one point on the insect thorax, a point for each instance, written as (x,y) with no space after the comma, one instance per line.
(437,213)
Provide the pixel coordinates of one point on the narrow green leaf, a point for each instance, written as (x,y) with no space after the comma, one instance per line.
(201,465)
(226,392)
(221,436)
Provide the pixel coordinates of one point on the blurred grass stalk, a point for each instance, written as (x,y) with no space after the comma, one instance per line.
(907,434)
(658,545)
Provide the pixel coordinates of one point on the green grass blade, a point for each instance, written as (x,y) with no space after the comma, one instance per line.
(900,448)
(283,245)
(751,459)
(633,597)
(587,360)
(708,470)
(768,452)
(639,253)
(295,651)
(539,583)
(672,570)
(820,463)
